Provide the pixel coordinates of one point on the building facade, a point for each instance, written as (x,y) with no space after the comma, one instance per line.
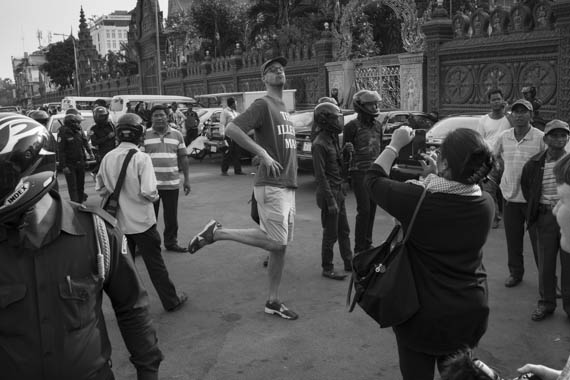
(109,32)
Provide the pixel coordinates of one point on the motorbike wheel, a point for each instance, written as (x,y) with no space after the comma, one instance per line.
(198,154)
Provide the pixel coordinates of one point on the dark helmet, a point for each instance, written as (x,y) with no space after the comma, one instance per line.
(72,120)
(100,114)
(28,168)
(328,116)
(40,116)
(130,128)
(361,98)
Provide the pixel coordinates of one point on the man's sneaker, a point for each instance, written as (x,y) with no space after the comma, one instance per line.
(277,308)
(205,237)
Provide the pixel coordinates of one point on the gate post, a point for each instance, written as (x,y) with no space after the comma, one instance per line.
(437,31)
(324,50)
(412,81)
(561,9)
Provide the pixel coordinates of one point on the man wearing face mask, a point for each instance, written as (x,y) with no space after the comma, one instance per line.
(363,142)
(72,145)
(331,187)
(58,257)
(167,150)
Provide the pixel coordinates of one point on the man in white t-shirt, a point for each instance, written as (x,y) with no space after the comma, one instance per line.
(490,127)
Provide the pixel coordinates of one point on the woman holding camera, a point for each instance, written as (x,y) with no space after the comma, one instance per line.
(444,246)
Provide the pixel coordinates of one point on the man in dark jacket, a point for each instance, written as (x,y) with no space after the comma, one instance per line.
(57,259)
(72,145)
(102,134)
(331,188)
(539,189)
(363,141)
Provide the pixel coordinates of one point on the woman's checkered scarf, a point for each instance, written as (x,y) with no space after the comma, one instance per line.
(436,184)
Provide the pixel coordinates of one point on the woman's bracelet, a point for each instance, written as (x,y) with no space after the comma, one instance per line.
(389,147)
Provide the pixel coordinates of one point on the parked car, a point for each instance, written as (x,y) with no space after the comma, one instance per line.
(436,135)
(55,122)
(406,169)
(390,121)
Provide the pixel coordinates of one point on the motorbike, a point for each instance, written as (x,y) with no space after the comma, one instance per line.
(208,142)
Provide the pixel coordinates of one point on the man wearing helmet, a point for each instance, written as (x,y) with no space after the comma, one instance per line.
(102,134)
(72,145)
(137,196)
(331,187)
(53,273)
(363,143)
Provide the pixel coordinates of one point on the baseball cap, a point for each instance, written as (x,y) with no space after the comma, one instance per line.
(556,124)
(525,103)
(281,60)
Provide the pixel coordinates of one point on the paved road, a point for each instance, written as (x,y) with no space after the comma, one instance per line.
(223,333)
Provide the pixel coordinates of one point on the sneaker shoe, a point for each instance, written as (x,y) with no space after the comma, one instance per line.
(182,298)
(176,248)
(205,237)
(512,281)
(277,308)
(334,275)
(540,313)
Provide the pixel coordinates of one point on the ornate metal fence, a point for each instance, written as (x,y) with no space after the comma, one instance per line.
(385,79)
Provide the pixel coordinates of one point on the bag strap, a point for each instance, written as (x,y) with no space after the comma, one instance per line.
(122,175)
(412,221)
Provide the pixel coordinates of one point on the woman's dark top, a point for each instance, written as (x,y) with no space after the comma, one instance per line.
(445,253)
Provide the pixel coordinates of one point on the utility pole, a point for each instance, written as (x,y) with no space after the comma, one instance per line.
(158,59)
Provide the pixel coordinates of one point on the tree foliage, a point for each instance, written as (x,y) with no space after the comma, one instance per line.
(60,65)
(215,20)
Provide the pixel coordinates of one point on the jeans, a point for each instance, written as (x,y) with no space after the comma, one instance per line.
(231,156)
(514,217)
(335,227)
(548,243)
(169,199)
(365,213)
(76,182)
(148,243)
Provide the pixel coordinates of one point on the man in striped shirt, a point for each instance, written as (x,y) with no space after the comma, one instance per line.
(167,150)
(514,147)
(539,188)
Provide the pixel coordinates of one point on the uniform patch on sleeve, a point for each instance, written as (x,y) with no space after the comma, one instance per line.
(124,246)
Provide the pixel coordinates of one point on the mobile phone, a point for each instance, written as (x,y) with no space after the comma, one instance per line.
(411,153)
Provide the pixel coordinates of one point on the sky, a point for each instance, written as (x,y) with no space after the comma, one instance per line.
(23,18)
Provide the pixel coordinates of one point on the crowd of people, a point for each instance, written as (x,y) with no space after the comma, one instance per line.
(505,170)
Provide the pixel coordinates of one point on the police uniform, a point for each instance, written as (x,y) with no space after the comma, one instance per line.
(51,322)
(72,145)
(100,138)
